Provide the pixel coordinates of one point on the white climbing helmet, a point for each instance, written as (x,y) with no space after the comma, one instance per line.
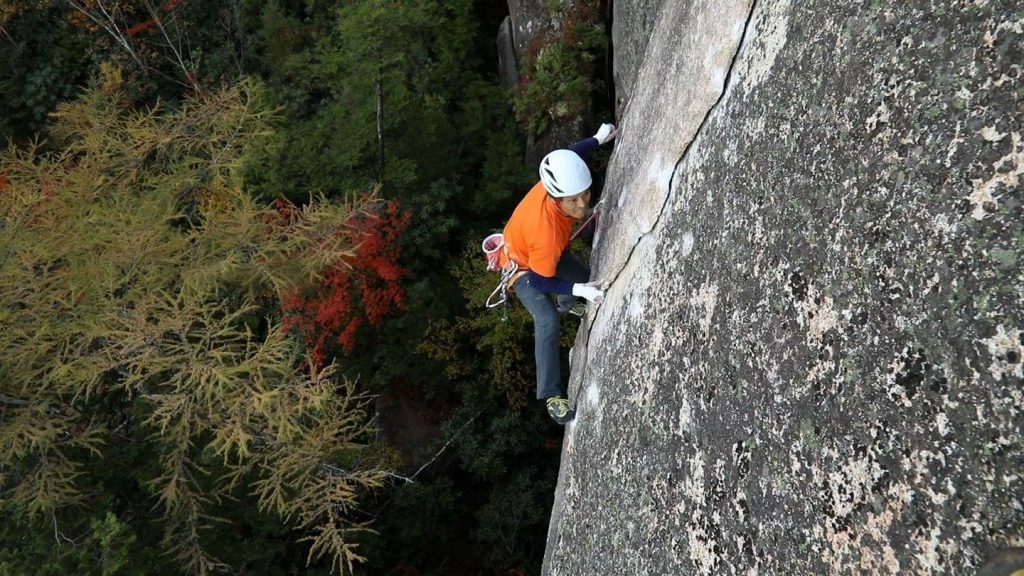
(564,174)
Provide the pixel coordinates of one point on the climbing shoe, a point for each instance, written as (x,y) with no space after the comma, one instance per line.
(564,303)
(559,410)
(579,308)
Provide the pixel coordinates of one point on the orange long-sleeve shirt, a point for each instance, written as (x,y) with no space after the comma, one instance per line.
(538,232)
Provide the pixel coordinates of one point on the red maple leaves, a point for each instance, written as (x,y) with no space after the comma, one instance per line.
(364,288)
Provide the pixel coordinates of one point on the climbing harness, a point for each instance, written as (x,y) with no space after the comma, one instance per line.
(494,246)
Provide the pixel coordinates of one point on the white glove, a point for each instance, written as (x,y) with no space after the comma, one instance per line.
(606,133)
(590,291)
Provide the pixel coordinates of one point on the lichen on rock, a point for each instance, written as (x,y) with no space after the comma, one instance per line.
(810,356)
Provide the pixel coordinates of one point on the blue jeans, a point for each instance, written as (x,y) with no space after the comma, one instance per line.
(546,323)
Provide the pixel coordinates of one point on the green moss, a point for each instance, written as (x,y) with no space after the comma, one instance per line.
(1005,259)
(851,372)
(808,437)
(981,303)
(901,178)
(555,7)
(558,77)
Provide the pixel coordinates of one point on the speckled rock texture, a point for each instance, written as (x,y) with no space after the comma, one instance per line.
(560,135)
(809,360)
(532,21)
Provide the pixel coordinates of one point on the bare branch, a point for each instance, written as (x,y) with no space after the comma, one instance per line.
(111,28)
(229,29)
(13,401)
(334,470)
(411,479)
(174,45)
(109,24)
(380,126)
(443,448)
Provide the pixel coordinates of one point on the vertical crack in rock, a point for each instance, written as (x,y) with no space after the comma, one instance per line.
(700,129)
(728,78)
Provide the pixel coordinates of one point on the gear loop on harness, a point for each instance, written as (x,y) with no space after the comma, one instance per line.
(493,246)
(501,290)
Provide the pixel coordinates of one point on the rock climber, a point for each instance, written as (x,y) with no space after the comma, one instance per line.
(537,239)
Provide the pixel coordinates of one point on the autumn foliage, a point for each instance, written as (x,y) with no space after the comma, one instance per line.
(362,289)
(139,299)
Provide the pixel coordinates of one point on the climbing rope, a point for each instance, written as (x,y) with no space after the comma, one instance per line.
(594,215)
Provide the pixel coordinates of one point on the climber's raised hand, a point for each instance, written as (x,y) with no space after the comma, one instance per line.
(606,133)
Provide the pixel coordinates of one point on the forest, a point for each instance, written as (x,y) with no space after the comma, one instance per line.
(241,290)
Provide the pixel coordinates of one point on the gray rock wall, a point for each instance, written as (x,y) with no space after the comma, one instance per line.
(531,19)
(809,360)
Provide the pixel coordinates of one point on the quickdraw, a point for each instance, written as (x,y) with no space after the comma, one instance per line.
(493,246)
(501,290)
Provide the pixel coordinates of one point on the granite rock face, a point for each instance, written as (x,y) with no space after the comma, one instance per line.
(809,360)
(531,21)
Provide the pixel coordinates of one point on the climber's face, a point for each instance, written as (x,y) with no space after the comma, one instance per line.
(575,206)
